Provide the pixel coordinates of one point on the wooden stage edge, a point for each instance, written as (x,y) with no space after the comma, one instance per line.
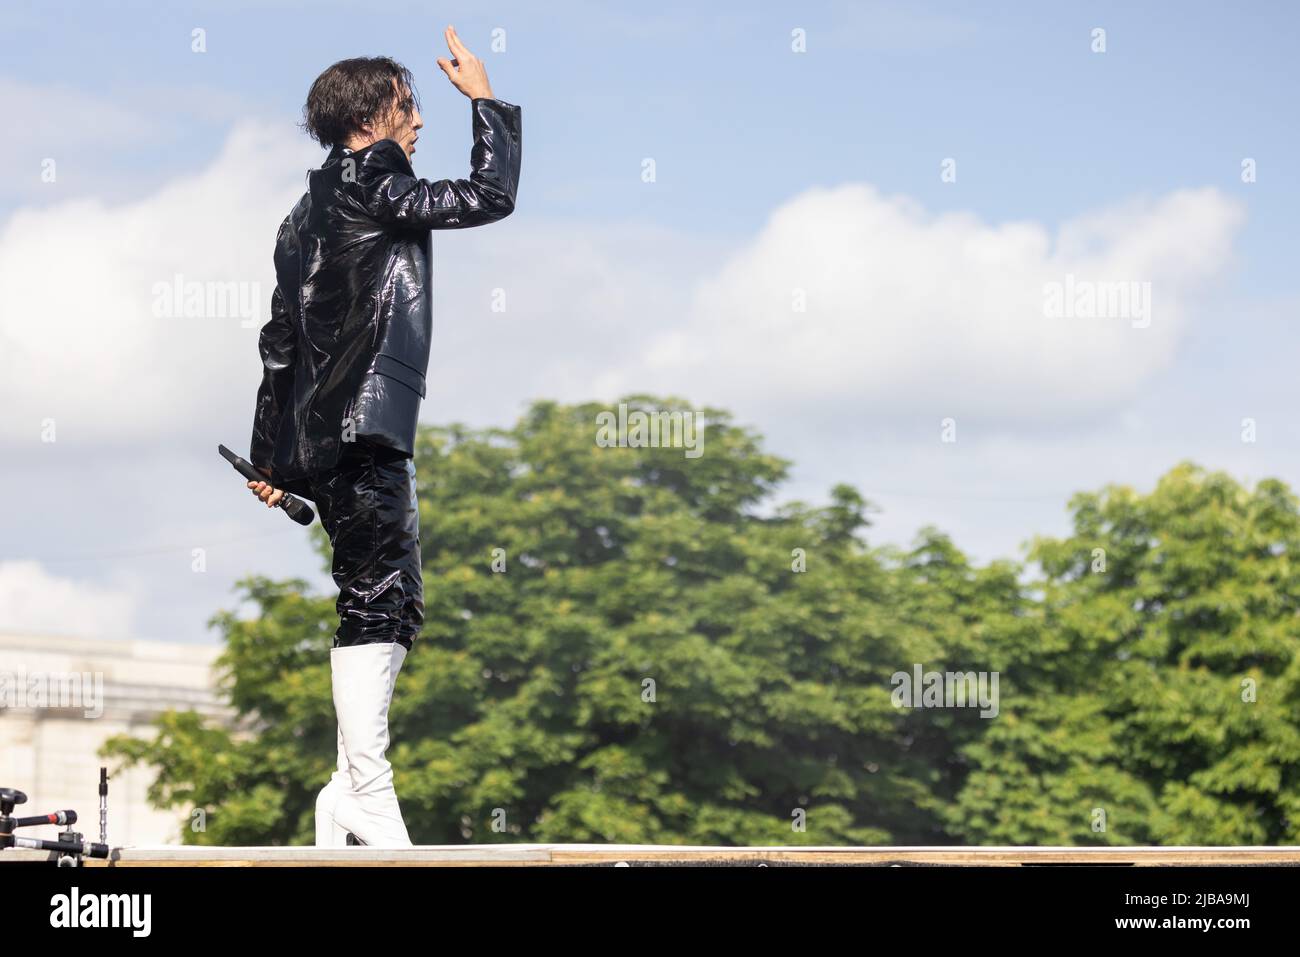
(513,855)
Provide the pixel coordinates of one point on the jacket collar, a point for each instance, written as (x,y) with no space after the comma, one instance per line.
(337,153)
(386,145)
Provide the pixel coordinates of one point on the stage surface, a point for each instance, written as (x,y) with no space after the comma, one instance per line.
(515,855)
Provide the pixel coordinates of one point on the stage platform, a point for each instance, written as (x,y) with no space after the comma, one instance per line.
(515,855)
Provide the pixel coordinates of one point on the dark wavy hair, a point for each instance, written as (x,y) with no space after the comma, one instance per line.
(352,93)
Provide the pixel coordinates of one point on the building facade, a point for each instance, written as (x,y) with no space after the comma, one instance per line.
(62,698)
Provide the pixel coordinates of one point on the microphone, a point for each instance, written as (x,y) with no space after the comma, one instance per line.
(295,508)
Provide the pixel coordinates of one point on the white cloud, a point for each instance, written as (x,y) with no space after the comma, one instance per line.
(909,315)
(915,315)
(59,117)
(33,600)
(96,138)
(78,282)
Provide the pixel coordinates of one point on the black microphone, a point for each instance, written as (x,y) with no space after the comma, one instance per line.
(295,508)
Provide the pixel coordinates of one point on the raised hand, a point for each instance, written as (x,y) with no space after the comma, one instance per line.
(464,69)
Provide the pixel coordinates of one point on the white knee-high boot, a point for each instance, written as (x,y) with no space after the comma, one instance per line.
(363,679)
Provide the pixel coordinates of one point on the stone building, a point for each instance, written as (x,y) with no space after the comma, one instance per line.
(61,698)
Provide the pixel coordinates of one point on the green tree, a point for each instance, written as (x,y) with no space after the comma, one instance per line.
(647,666)
(1162,687)
(622,644)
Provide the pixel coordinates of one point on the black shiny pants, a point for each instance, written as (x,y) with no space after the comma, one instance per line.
(368,508)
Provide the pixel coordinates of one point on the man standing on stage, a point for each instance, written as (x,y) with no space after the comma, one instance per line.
(344,356)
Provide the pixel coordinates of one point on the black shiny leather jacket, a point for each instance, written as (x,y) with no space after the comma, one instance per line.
(347,346)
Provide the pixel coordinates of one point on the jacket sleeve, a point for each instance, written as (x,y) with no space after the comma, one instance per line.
(278,346)
(394,197)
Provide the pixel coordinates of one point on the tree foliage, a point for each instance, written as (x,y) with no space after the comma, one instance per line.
(622,644)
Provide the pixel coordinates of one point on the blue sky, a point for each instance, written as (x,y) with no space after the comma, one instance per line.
(1042,126)
(171,160)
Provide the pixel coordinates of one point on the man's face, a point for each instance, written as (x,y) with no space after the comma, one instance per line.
(403,123)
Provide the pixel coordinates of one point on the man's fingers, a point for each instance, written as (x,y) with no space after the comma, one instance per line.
(267,493)
(458,49)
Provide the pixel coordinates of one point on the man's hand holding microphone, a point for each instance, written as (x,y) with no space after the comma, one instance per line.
(263,490)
